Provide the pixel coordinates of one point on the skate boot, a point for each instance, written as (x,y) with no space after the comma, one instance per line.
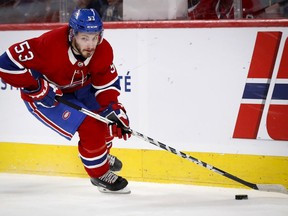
(111,183)
(114,163)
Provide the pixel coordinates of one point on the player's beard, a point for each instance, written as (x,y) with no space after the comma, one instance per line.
(86,53)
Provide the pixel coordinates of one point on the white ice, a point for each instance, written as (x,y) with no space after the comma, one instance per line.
(29,195)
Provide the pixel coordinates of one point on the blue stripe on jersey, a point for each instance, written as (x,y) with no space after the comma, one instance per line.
(114,83)
(255,91)
(113,86)
(280,92)
(8,65)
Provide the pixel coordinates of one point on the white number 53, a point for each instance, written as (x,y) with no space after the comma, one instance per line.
(21,48)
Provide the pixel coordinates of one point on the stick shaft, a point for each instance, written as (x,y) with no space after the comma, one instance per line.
(262,187)
(192,159)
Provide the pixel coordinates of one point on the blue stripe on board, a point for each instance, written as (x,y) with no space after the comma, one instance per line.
(255,91)
(280,92)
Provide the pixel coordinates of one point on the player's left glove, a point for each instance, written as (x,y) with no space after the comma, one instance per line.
(117,114)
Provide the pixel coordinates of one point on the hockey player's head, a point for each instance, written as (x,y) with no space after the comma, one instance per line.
(86,31)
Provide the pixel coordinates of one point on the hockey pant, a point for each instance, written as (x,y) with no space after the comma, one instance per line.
(94,138)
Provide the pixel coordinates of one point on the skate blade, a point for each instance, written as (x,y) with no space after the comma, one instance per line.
(125,190)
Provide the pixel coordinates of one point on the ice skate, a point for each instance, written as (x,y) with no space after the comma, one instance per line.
(114,163)
(111,183)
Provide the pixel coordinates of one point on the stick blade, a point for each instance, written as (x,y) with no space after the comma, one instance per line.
(272,188)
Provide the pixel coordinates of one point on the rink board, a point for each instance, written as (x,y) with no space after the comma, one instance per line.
(186,84)
(146,165)
(200,102)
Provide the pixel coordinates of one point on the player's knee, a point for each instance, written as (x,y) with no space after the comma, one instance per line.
(92,133)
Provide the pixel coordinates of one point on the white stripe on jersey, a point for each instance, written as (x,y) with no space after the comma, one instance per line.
(13,60)
(13,71)
(107,89)
(107,85)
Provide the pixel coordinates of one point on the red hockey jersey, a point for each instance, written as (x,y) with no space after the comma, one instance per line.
(51,56)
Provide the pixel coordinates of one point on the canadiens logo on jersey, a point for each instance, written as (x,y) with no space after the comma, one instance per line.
(66,115)
(263,113)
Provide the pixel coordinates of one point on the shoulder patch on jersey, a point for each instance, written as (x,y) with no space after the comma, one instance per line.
(112,68)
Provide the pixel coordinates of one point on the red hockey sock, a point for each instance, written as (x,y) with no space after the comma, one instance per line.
(92,147)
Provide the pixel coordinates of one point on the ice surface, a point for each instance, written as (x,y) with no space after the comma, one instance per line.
(29,195)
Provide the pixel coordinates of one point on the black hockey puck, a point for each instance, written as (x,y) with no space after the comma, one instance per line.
(241,196)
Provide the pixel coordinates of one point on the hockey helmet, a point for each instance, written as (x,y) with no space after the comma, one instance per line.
(86,20)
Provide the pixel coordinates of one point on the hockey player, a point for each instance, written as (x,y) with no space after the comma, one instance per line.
(74,62)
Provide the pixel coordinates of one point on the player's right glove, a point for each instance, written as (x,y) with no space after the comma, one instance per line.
(117,114)
(44,95)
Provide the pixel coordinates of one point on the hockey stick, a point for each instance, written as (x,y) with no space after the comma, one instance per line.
(261,187)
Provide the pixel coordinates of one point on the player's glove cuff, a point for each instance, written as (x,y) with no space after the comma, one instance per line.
(117,114)
(44,95)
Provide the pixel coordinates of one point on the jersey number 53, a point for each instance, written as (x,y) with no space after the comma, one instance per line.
(23,49)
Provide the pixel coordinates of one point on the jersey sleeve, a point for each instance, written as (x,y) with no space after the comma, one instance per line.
(105,81)
(12,69)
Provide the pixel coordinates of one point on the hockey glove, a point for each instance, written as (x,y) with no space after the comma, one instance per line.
(44,95)
(120,126)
